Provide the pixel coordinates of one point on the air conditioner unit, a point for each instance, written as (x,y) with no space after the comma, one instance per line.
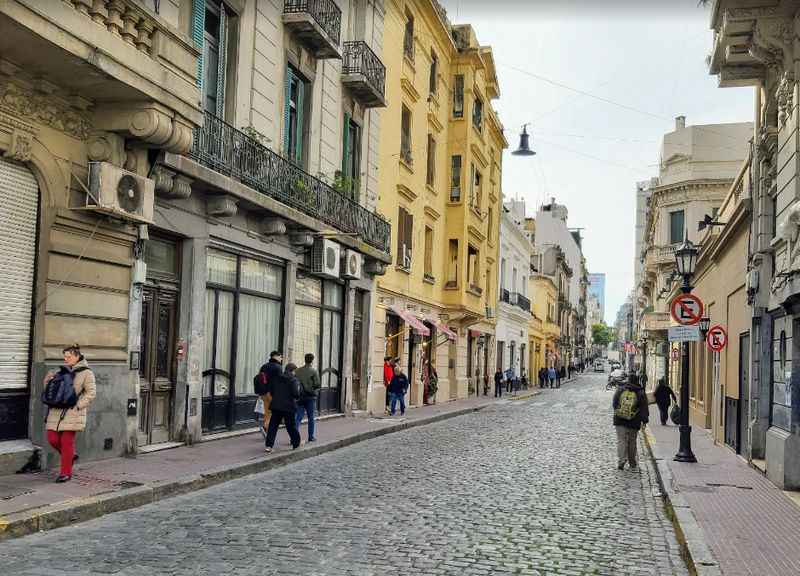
(406,257)
(325,258)
(120,193)
(353,262)
(490,313)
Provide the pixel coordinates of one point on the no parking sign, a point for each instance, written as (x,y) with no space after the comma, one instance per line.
(717,338)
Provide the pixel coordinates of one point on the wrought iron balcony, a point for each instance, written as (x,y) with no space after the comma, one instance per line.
(523,303)
(364,74)
(505,295)
(317,22)
(224,149)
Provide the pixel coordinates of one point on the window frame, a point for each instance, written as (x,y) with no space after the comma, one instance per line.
(405,134)
(430,168)
(456,177)
(458,96)
(672,215)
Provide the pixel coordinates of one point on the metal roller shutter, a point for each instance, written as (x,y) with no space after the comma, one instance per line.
(19,195)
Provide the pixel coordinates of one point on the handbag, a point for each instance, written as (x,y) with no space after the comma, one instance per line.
(259,408)
(675,414)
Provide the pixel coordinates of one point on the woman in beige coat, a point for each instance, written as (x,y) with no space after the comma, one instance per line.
(62,424)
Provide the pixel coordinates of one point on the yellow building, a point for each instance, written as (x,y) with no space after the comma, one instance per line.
(440,166)
(543,331)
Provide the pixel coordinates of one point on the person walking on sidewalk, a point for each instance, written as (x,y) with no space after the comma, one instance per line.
(552,375)
(398,388)
(631,414)
(63,423)
(310,385)
(285,391)
(498,383)
(509,379)
(664,395)
(388,374)
(272,369)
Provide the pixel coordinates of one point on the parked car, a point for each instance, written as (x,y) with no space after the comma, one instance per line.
(599,366)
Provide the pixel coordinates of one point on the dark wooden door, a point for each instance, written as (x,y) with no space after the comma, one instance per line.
(359,395)
(157,364)
(744,393)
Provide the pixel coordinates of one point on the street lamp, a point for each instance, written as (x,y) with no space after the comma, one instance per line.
(644,355)
(524,144)
(685,262)
(705,324)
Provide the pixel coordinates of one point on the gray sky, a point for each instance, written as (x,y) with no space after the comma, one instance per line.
(648,55)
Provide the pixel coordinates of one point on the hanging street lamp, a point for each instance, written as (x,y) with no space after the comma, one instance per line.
(524,144)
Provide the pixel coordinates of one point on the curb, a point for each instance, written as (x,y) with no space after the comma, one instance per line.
(694,548)
(82,509)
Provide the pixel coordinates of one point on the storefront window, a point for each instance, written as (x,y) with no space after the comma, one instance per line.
(221,268)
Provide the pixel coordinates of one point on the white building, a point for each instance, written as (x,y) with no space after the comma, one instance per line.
(514,307)
(551,230)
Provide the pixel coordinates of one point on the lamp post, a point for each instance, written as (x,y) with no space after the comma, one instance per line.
(705,324)
(644,355)
(685,261)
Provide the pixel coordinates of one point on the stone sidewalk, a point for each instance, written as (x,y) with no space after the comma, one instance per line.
(732,519)
(33,502)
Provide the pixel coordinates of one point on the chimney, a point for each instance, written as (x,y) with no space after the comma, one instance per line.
(680,122)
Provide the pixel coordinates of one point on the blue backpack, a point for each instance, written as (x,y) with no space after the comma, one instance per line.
(59,392)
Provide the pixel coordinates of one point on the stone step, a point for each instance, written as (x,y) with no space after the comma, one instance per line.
(14,454)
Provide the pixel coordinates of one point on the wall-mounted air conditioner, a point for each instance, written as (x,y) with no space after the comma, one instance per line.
(353,262)
(120,193)
(325,257)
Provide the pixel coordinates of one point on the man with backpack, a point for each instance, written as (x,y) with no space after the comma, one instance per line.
(272,369)
(631,413)
(309,388)
(285,391)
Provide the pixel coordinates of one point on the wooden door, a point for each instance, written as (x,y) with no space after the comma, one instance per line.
(359,396)
(157,364)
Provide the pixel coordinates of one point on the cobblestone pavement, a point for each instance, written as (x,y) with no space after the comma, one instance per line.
(525,487)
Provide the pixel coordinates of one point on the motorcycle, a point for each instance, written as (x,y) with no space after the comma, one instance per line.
(616,380)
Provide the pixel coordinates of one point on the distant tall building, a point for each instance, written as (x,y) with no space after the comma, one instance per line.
(597,286)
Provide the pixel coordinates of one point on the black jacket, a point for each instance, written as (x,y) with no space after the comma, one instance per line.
(273,369)
(399,384)
(663,393)
(498,377)
(285,390)
(642,416)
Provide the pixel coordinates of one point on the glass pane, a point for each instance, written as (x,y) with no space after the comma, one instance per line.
(261,277)
(258,335)
(209,342)
(334,295)
(331,349)
(308,289)
(221,268)
(160,256)
(224,341)
(144,336)
(162,344)
(306,334)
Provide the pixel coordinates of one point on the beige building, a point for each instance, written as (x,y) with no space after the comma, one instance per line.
(230,211)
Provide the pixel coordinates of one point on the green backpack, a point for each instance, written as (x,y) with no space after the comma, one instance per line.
(628,405)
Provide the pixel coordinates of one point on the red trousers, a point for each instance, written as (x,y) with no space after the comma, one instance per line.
(64,443)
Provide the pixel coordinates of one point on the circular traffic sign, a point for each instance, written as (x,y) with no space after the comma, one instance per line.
(686,309)
(717,338)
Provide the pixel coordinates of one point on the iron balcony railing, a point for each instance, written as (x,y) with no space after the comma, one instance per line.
(505,295)
(325,12)
(360,59)
(523,303)
(224,149)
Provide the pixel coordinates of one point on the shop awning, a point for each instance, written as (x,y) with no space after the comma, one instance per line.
(415,323)
(443,328)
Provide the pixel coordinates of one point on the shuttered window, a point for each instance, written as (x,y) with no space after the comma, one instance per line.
(294,105)
(430,177)
(455,179)
(676,227)
(213,65)
(405,135)
(351,157)
(458,96)
(405,230)
(19,196)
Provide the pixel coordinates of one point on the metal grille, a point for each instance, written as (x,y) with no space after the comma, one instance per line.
(325,12)
(224,149)
(360,59)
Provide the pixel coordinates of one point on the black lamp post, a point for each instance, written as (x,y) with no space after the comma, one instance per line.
(685,261)
(705,324)
(644,354)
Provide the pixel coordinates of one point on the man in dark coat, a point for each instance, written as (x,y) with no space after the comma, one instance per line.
(398,388)
(664,395)
(272,369)
(631,413)
(285,391)
(498,383)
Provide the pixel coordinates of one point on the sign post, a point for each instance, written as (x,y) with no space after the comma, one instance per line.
(687,310)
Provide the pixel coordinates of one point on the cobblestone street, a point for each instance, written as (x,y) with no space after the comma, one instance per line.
(525,487)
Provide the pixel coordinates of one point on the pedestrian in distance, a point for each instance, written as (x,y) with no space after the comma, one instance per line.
(68,393)
(388,374)
(509,379)
(285,391)
(273,368)
(542,376)
(498,383)
(552,376)
(398,388)
(631,414)
(664,396)
(309,389)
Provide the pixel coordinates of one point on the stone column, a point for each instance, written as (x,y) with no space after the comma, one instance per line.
(346,381)
(288,311)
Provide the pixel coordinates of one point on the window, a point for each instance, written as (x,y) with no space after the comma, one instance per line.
(477,114)
(458,96)
(455,179)
(503,274)
(428,252)
(405,229)
(472,267)
(430,177)
(405,135)
(452,264)
(293,113)
(433,79)
(476,188)
(351,157)
(676,227)
(215,60)
(408,38)
(490,225)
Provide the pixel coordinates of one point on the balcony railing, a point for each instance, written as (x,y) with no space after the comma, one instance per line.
(224,149)
(523,303)
(505,295)
(325,14)
(364,72)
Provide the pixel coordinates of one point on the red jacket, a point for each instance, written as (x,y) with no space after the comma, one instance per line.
(388,374)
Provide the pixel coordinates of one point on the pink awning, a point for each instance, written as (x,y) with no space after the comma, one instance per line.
(444,329)
(411,320)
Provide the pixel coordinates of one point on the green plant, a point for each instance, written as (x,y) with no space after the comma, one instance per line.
(259,137)
(345,185)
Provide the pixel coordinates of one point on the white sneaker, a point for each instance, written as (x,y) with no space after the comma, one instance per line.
(268,450)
